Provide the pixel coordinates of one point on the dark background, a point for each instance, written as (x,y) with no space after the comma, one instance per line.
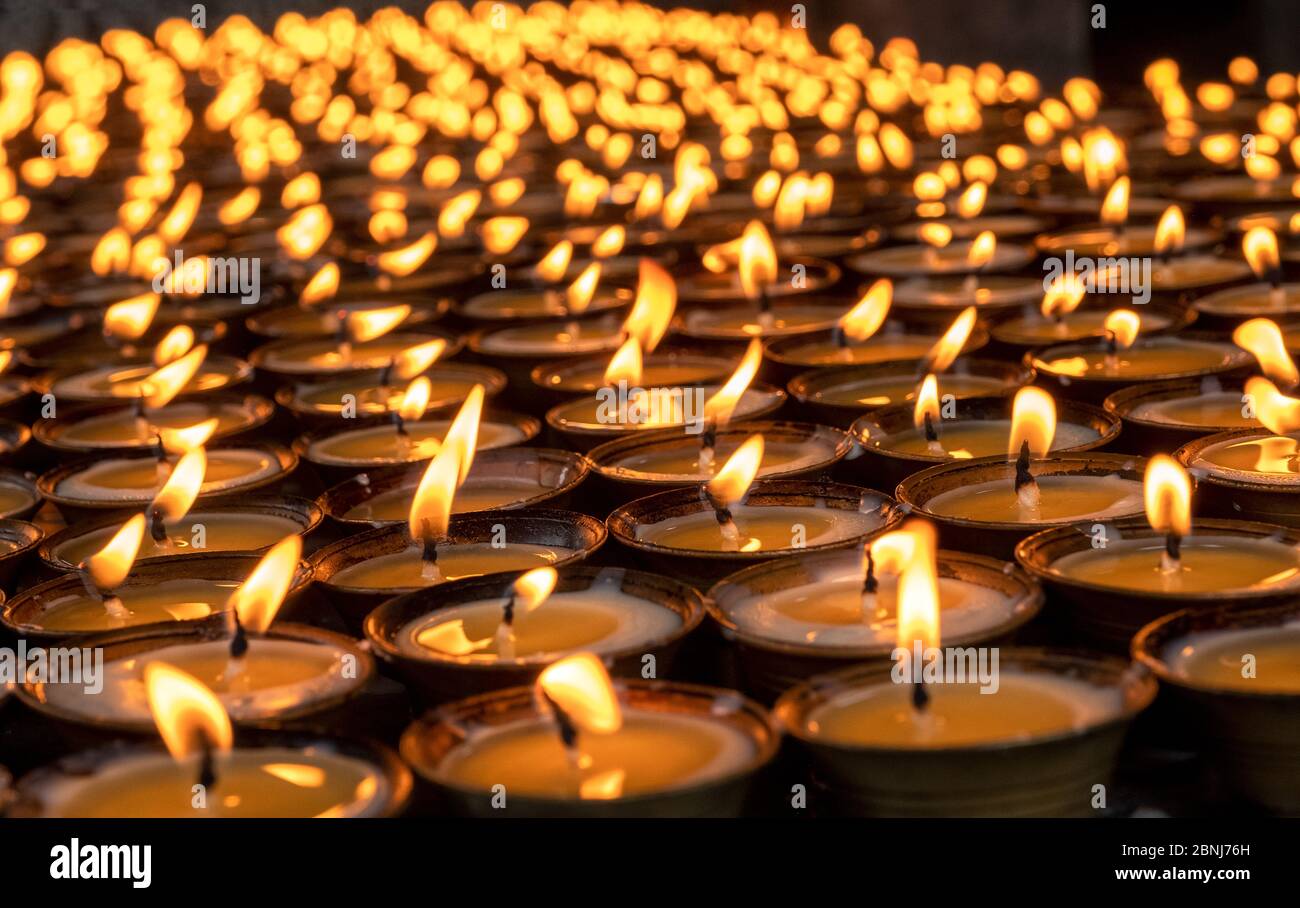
(1051,38)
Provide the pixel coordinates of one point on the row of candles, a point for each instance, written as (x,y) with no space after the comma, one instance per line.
(529,431)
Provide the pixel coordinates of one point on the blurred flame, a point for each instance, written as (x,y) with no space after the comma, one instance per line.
(175,344)
(1259,245)
(609,242)
(180,441)
(1170,231)
(652,310)
(1114,208)
(866,317)
(757,260)
(555,264)
(1123,325)
(371,324)
(1063,296)
(1167,490)
(982,249)
(414,360)
(322,286)
(579,294)
(404,261)
(501,234)
(240,207)
(415,400)
(971,202)
(948,347)
(129,319)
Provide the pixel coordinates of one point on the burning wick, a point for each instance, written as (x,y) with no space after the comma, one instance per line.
(529,591)
(728,487)
(708,442)
(207,763)
(1026,486)
(932,435)
(726,523)
(116,609)
(920,696)
(568,731)
(1171,557)
(429,560)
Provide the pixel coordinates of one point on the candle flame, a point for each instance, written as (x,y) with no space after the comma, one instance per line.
(414,360)
(175,344)
(415,400)
(502,234)
(720,407)
(866,317)
(1033,420)
(609,242)
(305,232)
(240,207)
(766,188)
(757,260)
(982,249)
(652,310)
(109,567)
(1114,208)
(456,213)
(178,494)
(177,222)
(387,225)
(371,324)
(580,686)
(1167,491)
(1171,231)
(1063,295)
(1277,412)
(789,211)
(1123,325)
(304,189)
(650,199)
(555,264)
(579,294)
(948,347)
(625,364)
(918,582)
(162,386)
(533,588)
(8,280)
(1259,245)
(112,253)
(1262,338)
(189,716)
(322,286)
(404,261)
(935,234)
(257,600)
(927,403)
(729,485)
(21,249)
(129,319)
(971,202)
(431,505)
(179,441)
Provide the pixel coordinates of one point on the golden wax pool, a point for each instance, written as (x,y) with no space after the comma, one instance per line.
(774,528)
(405,569)
(14,499)
(893,389)
(1189,271)
(1206,564)
(223,531)
(376,400)
(383,444)
(542,303)
(979,438)
(654,751)
(123,427)
(1026,705)
(1218,658)
(261,782)
(878,349)
(833,611)
(1252,300)
(181,599)
(600,620)
(273,677)
(1035,330)
(1212,409)
(656,371)
(325,354)
(553,340)
(1274,457)
(656,407)
(481,495)
(132,479)
(1154,357)
(128,381)
(1062,498)
(682,462)
(750,322)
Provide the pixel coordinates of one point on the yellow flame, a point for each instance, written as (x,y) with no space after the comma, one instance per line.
(720,407)
(322,286)
(729,485)
(1275,411)
(927,403)
(162,386)
(533,588)
(370,324)
(457,212)
(178,494)
(625,364)
(555,264)
(650,199)
(866,317)
(177,222)
(579,294)
(1171,231)
(431,505)
(179,441)
(1259,245)
(257,600)
(387,226)
(404,261)
(935,234)
(21,249)
(1167,491)
(8,280)
(175,344)
(109,567)
(971,202)
(1063,296)
(129,319)
(652,310)
(1123,325)
(1033,420)
(112,253)
(580,686)
(757,260)
(414,360)
(609,242)
(304,189)
(240,207)
(1262,338)
(189,716)
(502,234)
(948,347)
(918,586)
(1114,208)
(982,249)
(415,400)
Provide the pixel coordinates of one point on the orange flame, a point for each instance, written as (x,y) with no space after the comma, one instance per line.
(580,686)
(1167,491)
(240,207)
(652,310)
(404,261)
(1171,231)
(304,189)
(1123,325)
(971,202)
(502,234)
(109,567)
(555,264)
(757,260)
(455,214)
(625,364)
(257,600)
(178,494)
(948,347)
(1262,338)
(415,400)
(414,360)
(729,485)
(720,407)
(982,249)
(934,234)
(533,588)
(371,324)
(579,294)
(927,403)
(190,718)
(129,319)
(1277,412)
(1033,420)
(162,386)
(1114,208)
(21,249)
(1063,295)
(918,586)
(1259,245)
(865,318)
(609,242)
(175,344)
(177,222)
(112,252)
(322,286)
(179,441)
